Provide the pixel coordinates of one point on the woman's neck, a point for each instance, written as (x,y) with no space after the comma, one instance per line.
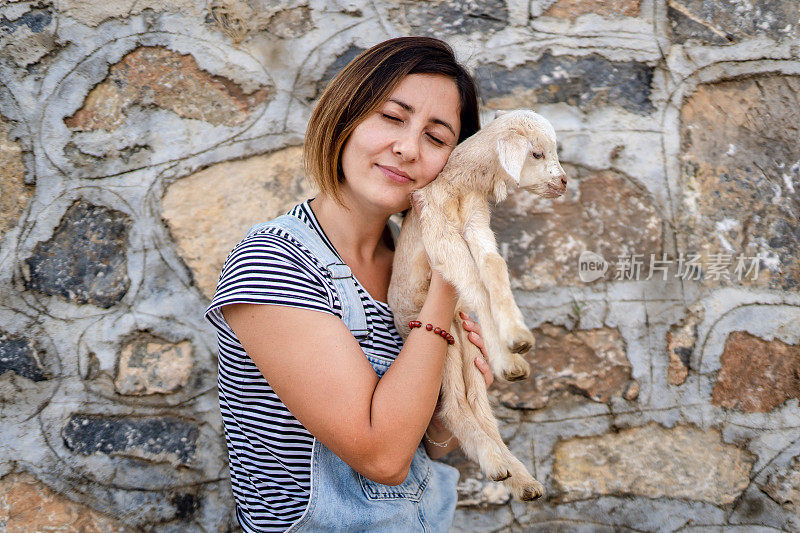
(357,235)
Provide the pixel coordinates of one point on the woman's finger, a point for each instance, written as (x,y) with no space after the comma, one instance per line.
(477,340)
(469,324)
(483,366)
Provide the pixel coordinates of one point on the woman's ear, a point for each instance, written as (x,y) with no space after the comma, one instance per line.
(511,153)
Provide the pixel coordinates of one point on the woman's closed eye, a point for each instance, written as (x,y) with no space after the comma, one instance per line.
(436,140)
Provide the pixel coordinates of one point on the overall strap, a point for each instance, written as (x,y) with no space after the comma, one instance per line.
(353,313)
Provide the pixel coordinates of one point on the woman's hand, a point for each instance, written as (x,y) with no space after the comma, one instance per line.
(476,339)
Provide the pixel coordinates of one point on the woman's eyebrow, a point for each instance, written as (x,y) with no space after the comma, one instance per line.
(410,109)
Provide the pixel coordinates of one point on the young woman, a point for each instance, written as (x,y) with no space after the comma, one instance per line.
(330,425)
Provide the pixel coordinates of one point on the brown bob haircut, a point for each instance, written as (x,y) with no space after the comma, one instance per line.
(363,85)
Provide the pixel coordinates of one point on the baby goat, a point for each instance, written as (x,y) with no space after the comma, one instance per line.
(517,149)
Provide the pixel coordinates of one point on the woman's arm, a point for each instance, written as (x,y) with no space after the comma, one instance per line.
(318,370)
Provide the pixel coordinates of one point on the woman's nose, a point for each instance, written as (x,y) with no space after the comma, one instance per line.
(407,147)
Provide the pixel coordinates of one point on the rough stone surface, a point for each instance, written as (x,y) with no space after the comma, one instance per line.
(538,237)
(27,38)
(92,13)
(19,355)
(733,21)
(756,375)
(586,82)
(85,260)
(681,462)
(155,76)
(589,363)
(574,8)
(186,116)
(26,505)
(740,173)
(12,181)
(149,365)
(158,439)
(448,17)
(474,489)
(235,196)
(783,486)
(287,19)
(681,339)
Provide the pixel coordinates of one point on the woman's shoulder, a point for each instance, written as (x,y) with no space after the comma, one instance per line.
(269,237)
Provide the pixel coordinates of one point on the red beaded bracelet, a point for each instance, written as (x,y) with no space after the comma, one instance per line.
(439,331)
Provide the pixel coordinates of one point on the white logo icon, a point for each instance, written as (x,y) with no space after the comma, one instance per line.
(591,266)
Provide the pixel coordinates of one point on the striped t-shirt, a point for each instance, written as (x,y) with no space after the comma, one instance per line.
(269,450)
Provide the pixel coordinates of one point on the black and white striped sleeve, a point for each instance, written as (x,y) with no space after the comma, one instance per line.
(271,268)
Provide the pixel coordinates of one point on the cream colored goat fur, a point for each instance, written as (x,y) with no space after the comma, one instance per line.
(452,227)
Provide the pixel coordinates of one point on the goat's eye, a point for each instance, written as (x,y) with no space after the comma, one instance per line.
(538,155)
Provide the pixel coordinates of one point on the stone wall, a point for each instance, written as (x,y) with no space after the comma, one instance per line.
(140,138)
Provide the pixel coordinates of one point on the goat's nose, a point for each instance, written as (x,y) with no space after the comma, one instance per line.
(564,180)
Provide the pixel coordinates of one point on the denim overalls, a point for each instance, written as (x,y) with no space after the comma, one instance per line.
(341,498)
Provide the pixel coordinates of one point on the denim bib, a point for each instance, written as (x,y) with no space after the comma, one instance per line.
(342,499)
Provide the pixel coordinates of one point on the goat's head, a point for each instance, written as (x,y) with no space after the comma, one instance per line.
(526,154)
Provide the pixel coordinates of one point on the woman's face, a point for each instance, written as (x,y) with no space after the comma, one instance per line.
(403,145)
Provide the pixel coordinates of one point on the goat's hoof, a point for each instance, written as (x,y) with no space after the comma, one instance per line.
(501,477)
(519,369)
(520,347)
(534,492)
(529,495)
(515,375)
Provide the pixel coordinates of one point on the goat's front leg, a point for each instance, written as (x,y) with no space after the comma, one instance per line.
(448,253)
(507,317)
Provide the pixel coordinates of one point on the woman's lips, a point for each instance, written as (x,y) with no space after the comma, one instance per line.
(394,174)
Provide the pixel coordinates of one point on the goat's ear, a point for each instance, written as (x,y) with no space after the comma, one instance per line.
(511,153)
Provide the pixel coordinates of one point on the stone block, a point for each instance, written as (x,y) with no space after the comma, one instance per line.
(85,260)
(756,375)
(92,12)
(590,363)
(19,355)
(26,505)
(681,339)
(153,76)
(149,365)
(12,181)
(728,22)
(26,38)
(740,171)
(239,19)
(572,9)
(157,439)
(783,486)
(683,462)
(231,197)
(585,82)
(602,211)
(448,17)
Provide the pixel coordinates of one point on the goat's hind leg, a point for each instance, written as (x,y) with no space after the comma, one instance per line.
(521,483)
(490,453)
